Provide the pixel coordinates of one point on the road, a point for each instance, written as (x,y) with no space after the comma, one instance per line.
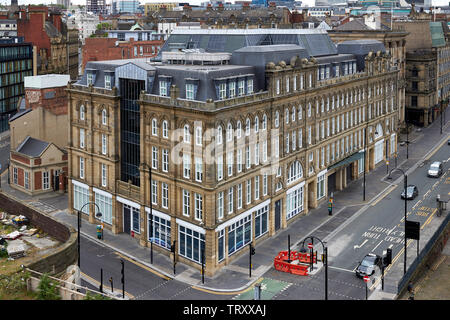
(375,229)
(141,282)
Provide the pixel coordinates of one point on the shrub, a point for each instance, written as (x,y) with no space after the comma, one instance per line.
(48,289)
(97,296)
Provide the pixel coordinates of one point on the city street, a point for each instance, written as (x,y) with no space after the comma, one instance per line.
(375,229)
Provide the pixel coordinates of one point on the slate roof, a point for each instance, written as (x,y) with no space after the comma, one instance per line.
(32,147)
(356,24)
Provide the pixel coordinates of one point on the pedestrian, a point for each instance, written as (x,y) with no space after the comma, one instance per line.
(410,287)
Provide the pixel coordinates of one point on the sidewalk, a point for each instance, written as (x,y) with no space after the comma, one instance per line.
(348,204)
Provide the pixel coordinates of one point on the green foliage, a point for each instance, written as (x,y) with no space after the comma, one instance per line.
(104,26)
(48,289)
(13,284)
(97,296)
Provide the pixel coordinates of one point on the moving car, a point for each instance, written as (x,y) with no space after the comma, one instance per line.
(411,192)
(435,169)
(367,266)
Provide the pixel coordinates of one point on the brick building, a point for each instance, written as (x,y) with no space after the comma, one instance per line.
(98,49)
(56,45)
(40,127)
(239,142)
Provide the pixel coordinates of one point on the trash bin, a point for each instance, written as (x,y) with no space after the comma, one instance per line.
(99,231)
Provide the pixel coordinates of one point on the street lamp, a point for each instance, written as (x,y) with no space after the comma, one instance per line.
(325,259)
(98,215)
(405,182)
(151,209)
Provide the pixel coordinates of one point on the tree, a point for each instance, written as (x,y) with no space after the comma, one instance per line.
(48,289)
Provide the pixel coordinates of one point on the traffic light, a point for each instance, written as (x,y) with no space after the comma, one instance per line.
(388,258)
(122,271)
(172,247)
(252,250)
(330,206)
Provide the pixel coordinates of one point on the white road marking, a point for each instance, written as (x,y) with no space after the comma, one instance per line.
(359,246)
(377,245)
(352,271)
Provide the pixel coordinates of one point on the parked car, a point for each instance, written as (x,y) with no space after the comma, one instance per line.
(367,266)
(448,142)
(411,192)
(435,169)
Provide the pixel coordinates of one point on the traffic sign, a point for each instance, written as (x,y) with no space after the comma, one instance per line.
(366,278)
(310,245)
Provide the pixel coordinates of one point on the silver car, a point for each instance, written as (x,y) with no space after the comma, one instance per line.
(435,169)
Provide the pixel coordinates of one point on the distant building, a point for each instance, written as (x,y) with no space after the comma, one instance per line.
(96,6)
(56,44)
(155,7)
(16,62)
(129,6)
(427,67)
(65,3)
(86,23)
(38,159)
(98,49)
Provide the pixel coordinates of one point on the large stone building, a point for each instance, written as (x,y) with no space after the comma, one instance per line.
(239,142)
(427,70)
(395,44)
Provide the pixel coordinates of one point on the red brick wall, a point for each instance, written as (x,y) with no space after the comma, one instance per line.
(98,49)
(20,177)
(38,180)
(57,105)
(20,158)
(32,29)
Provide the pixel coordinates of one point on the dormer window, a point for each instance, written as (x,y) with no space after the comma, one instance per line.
(249,86)
(190,91)
(163,88)
(107,81)
(90,78)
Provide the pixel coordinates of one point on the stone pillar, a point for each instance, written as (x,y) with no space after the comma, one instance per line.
(116,218)
(143,226)
(91,205)
(312,194)
(339,179)
(344,177)
(210,252)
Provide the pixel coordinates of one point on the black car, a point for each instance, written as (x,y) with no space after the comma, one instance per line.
(367,266)
(411,192)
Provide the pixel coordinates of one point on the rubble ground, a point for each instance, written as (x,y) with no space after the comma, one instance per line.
(22,242)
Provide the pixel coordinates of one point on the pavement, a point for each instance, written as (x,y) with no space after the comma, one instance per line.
(348,204)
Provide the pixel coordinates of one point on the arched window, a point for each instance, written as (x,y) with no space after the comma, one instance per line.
(239,129)
(229,132)
(104,117)
(277,119)
(82,112)
(247,127)
(293,114)
(219,135)
(165,129)
(187,134)
(256,124)
(264,122)
(286,115)
(295,172)
(154,127)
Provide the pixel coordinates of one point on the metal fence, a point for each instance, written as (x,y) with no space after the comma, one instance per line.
(423,253)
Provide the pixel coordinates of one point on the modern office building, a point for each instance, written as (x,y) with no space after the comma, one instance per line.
(129,6)
(241,134)
(16,62)
(96,6)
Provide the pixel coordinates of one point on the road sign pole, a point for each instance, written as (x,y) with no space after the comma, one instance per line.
(289,249)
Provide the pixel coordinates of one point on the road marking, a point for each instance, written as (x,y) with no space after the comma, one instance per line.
(424,196)
(377,245)
(359,246)
(228,292)
(143,266)
(384,195)
(417,203)
(129,295)
(436,149)
(352,271)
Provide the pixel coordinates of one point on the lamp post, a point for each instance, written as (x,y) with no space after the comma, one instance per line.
(98,215)
(405,182)
(151,211)
(325,259)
